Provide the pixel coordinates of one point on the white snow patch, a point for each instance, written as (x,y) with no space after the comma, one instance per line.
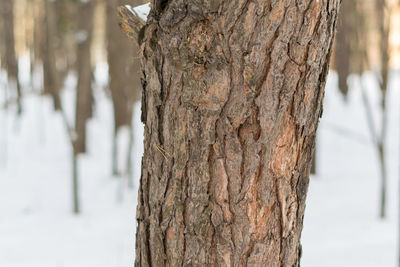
(37,227)
(341,223)
(142,10)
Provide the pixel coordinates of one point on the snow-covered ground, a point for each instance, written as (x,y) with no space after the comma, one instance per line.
(37,228)
(341,224)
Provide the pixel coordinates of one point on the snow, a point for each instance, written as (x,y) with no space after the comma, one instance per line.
(341,224)
(37,227)
(142,10)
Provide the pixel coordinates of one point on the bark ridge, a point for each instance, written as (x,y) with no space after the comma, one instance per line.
(232,95)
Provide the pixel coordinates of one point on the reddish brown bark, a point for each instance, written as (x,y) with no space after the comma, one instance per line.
(232,94)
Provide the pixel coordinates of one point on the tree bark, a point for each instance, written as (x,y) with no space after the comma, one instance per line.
(232,95)
(84,97)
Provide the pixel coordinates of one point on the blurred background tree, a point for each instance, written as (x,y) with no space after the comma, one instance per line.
(363,44)
(60,39)
(9,55)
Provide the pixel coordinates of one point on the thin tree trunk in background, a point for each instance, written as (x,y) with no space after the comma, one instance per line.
(51,81)
(232,95)
(362,63)
(382,157)
(75,185)
(30,36)
(342,48)
(4,105)
(2,45)
(7,10)
(344,42)
(124,73)
(38,38)
(4,123)
(66,11)
(382,161)
(84,97)
(314,161)
(129,169)
(383,23)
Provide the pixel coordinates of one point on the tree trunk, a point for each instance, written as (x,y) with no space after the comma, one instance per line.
(38,32)
(51,81)
(346,43)
(124,73)
(383,22)
(75,185)
(343,47)
(232,95)
(314,162)
(84,97)
(7,10)
(2,44)
(66,25)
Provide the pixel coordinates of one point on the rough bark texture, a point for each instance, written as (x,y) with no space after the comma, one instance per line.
(11,61)
(232,97)
(84,95)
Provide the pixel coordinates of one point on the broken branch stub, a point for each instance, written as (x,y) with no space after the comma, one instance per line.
(130,22)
